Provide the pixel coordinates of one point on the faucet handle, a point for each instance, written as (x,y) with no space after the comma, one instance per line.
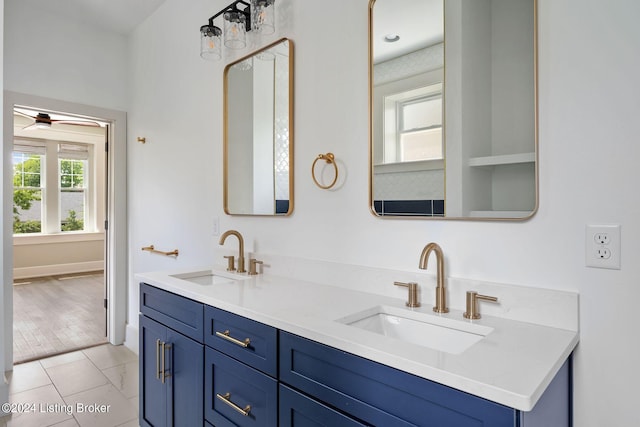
(472,304)
(413,293)
(253,264)
(231,265)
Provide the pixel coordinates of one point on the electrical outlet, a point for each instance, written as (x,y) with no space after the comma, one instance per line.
(602,238)
(603,253)
(602,248)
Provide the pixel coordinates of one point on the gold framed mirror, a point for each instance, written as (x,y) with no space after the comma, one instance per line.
(258,132)
(453,109)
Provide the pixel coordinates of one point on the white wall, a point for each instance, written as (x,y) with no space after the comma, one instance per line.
(51,55)
(588,155)
(588,152)
(45,257)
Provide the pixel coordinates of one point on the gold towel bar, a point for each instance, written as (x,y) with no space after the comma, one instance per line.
(153,250)
(330,159)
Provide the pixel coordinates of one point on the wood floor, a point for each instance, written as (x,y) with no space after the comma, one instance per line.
(54,315)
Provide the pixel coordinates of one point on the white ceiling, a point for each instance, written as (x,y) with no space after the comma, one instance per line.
(419,23)
(120,16)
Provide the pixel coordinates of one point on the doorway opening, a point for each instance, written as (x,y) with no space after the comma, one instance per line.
(108,214)
(59,216)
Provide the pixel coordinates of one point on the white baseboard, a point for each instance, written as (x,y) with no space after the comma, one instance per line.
(131,339)
(57,269)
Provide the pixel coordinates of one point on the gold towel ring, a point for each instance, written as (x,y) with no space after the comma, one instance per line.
(329,158)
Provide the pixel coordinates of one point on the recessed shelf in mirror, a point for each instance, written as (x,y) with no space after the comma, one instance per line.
(505,159)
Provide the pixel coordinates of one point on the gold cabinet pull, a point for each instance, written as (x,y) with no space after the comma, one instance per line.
(158,372)
(226,398)
(164,374)
(225,335)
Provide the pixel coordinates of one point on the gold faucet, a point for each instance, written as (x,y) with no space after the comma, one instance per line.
(240,247)
(413,293)
(441,296)
(472,312)
(253,266)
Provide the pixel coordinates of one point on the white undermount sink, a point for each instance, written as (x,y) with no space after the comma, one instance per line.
(210,277)
(421,328)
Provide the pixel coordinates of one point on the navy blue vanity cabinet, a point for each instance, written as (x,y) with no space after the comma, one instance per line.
(379,395)
(241,369)
(554,406)
(203,366)
(227,333)
(238,395)
(171,360)
(299,410)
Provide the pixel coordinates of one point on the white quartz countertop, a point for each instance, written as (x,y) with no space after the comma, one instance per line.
(512,365)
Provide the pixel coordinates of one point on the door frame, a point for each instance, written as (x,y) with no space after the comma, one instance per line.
(116,252)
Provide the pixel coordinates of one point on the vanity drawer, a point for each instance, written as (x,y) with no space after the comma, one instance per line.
(381,395)
(179,313)
(228,383)
(299,410)
(228,333)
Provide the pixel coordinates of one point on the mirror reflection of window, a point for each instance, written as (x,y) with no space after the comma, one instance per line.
(414,118)
(482,157)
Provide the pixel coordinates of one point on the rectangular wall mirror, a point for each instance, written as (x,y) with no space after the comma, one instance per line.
(453,110)
(258,132)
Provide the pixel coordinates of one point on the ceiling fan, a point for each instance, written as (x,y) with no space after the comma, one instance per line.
(44,121)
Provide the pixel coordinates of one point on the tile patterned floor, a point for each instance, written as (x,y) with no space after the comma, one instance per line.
(57,314)
(63,390)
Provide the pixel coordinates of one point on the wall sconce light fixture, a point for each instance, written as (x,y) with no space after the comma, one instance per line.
(238,18)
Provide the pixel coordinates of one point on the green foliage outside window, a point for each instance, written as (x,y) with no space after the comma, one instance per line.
(71,178)
(26,174)
(26,182)
(71,173)
(72,223)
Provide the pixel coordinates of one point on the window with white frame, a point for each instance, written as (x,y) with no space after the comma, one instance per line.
(52,187)
(413,125)
(28,188)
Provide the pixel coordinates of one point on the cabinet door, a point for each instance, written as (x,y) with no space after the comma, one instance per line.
(298,410)
(258,342)
(174,311)
(178,400)
(380,395)
(153,395)
(185,366)
(237,395)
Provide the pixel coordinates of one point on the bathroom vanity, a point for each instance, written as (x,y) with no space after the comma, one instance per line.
(220,349)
